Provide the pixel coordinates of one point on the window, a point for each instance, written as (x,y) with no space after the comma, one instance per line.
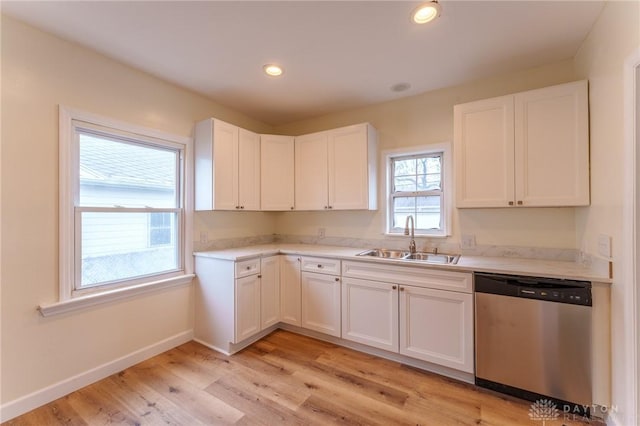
(122,206)
(416,187)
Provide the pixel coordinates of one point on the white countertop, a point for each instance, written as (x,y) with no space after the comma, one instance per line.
(504,265)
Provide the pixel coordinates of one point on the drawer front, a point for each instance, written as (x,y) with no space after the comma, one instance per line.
(247,267)
(321,265)
(417,276)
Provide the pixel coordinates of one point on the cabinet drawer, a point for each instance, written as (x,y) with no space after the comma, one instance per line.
(417,276)
(321,265)
(247,267)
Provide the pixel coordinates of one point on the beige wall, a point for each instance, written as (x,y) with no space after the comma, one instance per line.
(601,59)
(39,72)
(427,119)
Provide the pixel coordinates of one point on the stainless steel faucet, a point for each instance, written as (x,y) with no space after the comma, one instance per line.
(412,243)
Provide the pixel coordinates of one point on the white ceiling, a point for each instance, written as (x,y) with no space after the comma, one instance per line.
(337,55)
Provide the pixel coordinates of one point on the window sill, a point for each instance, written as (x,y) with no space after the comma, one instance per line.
(388,234)
(82,302)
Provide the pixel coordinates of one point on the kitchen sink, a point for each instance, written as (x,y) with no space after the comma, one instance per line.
(441,258)
(434,258)
(387,254)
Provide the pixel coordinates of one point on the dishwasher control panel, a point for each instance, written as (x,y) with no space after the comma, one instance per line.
(540,288)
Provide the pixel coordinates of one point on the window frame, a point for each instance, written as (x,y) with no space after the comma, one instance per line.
(445,192)
(69,182)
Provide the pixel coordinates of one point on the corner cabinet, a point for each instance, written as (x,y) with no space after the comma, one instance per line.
(336,169)
(227,167)
(276,172)
(529,149)
(290,290)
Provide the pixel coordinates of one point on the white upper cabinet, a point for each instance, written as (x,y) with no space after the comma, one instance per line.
(311,171)
(552,146)
(483,149)
(227,167)
(277,172)
(336,169)
(248,170)
(530,149)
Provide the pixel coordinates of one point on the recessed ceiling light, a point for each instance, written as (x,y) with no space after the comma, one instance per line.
(273,70)
(426,12)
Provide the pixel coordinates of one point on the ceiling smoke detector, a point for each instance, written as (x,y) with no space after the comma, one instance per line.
(426,12)
(400,87)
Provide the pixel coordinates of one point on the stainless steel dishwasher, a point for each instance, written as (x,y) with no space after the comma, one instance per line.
(533,337)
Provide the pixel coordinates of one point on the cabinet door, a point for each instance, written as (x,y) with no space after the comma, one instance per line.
(484,150)
(247,312)
(270,291)
(437,326)
(311,172)
(225,166)
(248,170)
(348,168)
(321,303)
(290,297)
(277,172)
(370,313)
(552,146)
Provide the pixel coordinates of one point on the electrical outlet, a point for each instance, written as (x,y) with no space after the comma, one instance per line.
(321,232)
(467,241)
(204,238)
(604,245)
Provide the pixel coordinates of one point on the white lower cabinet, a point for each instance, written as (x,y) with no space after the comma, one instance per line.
(431,319)
(290,291)
(235,301)
(437,326)
(247,307)
(269,291)
(370,313)
(321,303)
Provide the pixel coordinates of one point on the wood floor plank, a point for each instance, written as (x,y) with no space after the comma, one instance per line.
(341,377)
(284,379)
(94,404)
(199,374)
(195,401)
(257,408)
(150,406)
(58,412)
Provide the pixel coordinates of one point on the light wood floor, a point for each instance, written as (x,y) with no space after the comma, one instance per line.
(283,379)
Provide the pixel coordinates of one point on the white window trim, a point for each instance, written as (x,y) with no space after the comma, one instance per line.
(447,186)
(67,301)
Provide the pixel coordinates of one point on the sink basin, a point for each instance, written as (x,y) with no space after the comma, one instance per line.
(387,254)
(434,258)
(446,259)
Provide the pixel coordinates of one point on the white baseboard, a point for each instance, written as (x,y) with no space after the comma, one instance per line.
(43,396)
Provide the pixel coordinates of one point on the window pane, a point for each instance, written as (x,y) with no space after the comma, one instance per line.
(160,229)
(428,212)
(405,183)
(120,246)
(405,167)
(417,174)
(117,173)
(403,207)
